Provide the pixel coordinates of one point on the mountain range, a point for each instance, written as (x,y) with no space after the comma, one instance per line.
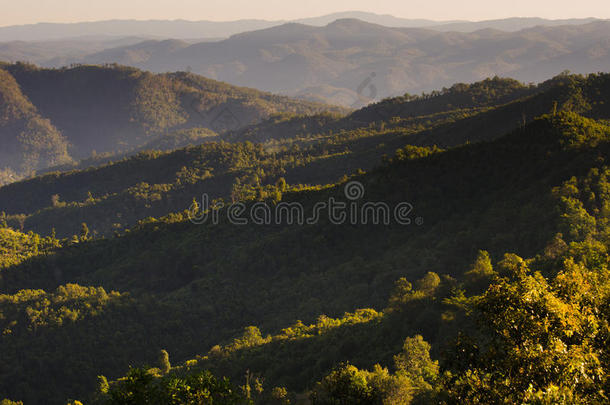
(183,29)
(351,62)
(348,62)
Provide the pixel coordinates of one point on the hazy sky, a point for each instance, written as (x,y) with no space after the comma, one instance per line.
(33,11)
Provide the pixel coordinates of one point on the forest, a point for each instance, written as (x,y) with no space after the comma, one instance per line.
(496,291)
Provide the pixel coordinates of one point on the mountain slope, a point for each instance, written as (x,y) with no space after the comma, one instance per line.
(29,141)
(452,116)
(113,109)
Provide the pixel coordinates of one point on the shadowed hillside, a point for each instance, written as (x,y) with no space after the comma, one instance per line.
(51,115)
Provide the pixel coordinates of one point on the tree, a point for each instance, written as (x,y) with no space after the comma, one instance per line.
(481,273)
(543,341)
(282,185)
(102,384)
(279,396)
(428,283)
(403,291)
(21,218)
(142,387)
(251,337)
(415,363)
(84,232)
(164,364)
(347,385)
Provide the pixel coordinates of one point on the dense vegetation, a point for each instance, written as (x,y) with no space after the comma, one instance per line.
(496,290)
(509,330)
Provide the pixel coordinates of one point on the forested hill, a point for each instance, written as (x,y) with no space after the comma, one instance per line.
(28,140)
(52,115)
(495,104)
(310,150)
(78,308)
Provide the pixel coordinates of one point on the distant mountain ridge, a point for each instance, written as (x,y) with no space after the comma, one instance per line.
(353,62)
(60,52)
(180,29)
(186,29)
(350,58)
(510,24)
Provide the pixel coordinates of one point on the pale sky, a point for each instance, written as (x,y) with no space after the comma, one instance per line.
(33,11)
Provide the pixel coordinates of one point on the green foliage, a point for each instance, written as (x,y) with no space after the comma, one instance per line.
(30,310)
(349,386)
(415,363)
(103,385)
(416,152)
(547,340)
(164,364)
(16,247)
(481,274)
(543,339)
(84,232)
(141,387)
